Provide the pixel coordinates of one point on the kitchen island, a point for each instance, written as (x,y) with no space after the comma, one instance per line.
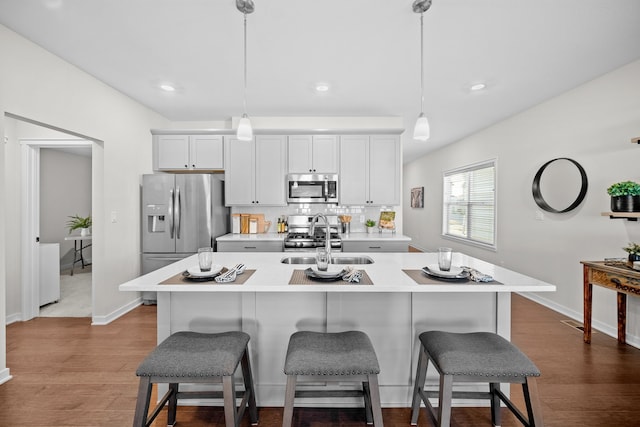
(393,311)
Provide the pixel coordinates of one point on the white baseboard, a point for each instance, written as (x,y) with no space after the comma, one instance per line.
(5,375)
(12,318)
(105,320)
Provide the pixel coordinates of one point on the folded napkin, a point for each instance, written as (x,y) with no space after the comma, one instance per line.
(477,276)
(352,275)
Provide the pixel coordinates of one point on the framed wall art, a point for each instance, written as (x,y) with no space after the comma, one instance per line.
(417,197)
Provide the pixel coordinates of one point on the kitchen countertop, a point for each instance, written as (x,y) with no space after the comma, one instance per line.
(385,273)
(353,237)
(244,237)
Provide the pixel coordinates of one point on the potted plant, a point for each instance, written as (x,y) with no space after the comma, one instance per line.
(79,223)
(634,252)
(625,196)
(370,224)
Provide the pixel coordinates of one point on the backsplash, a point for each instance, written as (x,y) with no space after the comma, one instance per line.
(359,213)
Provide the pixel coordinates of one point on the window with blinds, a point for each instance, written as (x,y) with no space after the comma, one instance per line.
(469,204)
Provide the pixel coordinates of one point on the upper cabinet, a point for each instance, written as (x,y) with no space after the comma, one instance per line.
(370,170)
(313,154)
(190,152)
(256,170)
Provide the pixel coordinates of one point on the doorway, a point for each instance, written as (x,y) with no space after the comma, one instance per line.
(65,195)
(35,138)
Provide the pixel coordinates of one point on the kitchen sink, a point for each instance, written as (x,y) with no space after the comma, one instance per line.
(334,260)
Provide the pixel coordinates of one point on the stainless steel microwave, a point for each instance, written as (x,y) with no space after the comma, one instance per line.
(312,188)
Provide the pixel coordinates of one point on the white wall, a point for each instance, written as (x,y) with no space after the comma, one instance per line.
(592,124)
(37,85)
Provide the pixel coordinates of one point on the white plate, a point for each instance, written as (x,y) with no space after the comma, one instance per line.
(195,271)
(331,273)
(453,273)
(328,273)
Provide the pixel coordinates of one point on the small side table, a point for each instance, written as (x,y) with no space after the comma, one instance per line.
(620,278)
(78,246)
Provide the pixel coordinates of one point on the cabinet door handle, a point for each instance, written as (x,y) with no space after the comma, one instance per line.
(375,247)
(249,247)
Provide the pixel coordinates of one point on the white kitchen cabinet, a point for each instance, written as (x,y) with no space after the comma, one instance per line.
(313,154)
(375,246)
(250,246)
(192,152)
(255,171)
(370,170)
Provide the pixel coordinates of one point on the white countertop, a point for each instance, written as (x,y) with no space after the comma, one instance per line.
(353,237)
(265,237)
(385,273)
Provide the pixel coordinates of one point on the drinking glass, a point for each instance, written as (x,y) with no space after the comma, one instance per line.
(444,259)
(205,258)
(323,258)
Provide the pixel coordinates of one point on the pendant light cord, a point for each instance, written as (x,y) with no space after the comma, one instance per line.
(421,63)
(245,64)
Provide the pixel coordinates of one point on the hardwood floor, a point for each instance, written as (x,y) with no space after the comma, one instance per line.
(68,373)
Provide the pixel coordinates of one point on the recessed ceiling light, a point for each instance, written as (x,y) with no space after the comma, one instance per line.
(53,4)
(477,86)
(322,87)
(167,87)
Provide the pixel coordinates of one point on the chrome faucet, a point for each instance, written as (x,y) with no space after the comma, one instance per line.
(327,236)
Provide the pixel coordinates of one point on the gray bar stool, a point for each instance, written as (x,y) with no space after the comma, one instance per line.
(474,357)
(192,357)
(330,357)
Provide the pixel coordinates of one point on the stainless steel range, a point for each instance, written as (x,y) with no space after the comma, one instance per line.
(301,237)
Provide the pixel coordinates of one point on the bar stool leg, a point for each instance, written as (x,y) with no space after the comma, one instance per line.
(445,396)
(142,404)
(367,402)
(229,397)
(494,388)
(534,411)
(418,386)
(375,400)
(248,386)
(289,397)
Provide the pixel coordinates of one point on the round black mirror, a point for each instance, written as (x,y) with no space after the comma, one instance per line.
(559,180)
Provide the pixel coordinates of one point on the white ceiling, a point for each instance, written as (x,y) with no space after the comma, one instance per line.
(368,51)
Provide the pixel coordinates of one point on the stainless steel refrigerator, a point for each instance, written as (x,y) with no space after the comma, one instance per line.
(180,213)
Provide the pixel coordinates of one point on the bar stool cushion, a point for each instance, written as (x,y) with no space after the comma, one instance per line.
(194,354)
(480,354)
(340,353)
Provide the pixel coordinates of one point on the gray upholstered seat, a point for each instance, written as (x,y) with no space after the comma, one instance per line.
(474,357)
(342,356)
(192,357)
(344,353)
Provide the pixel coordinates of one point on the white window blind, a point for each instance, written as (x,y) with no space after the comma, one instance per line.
(469,204)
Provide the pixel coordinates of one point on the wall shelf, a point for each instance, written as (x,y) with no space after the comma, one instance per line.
(631,216)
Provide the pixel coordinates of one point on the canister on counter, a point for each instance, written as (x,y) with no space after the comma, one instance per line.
(244,223)
(235,223)
(253,225)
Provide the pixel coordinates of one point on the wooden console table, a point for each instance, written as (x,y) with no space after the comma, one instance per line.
(622,279)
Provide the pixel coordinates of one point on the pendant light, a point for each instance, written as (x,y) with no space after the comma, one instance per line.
(245,132)
(421,131)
